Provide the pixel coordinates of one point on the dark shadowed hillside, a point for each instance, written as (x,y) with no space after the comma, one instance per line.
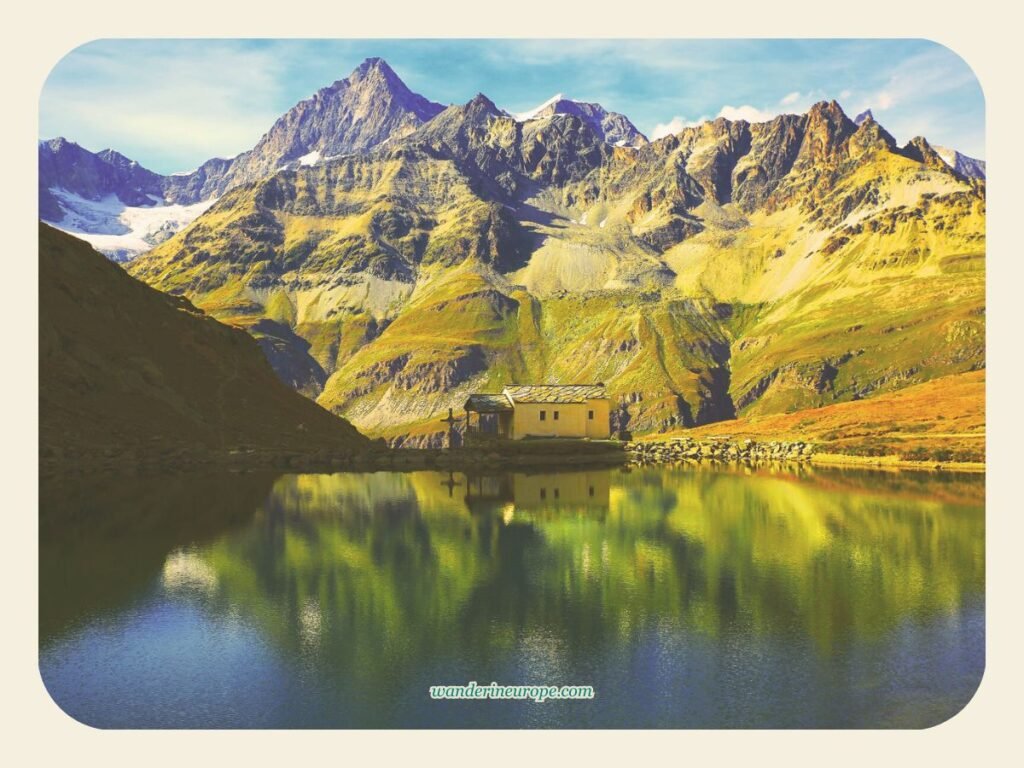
(128,372)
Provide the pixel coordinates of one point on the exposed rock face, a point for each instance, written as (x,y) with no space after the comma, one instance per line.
(442,376)
(826,132)
(920,150)
(869,137)
(203,183)
(288,354)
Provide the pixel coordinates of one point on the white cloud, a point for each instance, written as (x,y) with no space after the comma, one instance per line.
(884,100)
(746,112)
(845,93)
(177,99)
(673,126)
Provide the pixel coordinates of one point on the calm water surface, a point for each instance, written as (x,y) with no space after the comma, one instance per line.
(685,597)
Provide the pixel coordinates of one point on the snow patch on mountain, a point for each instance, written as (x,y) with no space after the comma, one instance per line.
(531,114)
(119,231)
(961,163)
(948,155)
(311,158)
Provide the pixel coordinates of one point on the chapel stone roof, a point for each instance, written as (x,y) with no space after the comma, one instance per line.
(555,393)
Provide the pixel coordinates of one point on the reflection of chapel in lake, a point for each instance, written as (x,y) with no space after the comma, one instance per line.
(560,491)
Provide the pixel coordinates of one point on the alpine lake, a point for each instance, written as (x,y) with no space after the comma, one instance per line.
(686,596)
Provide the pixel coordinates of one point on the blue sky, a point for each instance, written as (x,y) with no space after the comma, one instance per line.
(171,104)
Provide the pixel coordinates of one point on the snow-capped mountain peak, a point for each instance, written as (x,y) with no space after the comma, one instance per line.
(612,127)
(543,110)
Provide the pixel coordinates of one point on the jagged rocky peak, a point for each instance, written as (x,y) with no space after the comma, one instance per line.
(825,134)
(829,113)
(372,67)
(697,141)
(369,107)
(612,127)
(870,135)
(480,104)
(919,149)
(475,201)
(867,114)
(375,79)
(467,127)
(114,157)
(60,146)
(375,68)
(461,126)
(57,144)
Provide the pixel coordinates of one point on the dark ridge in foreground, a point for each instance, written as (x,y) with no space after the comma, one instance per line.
(129,375)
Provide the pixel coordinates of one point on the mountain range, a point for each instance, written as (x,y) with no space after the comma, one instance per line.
(391,255)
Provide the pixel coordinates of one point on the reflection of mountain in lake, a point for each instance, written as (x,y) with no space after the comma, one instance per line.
(103,540)
(379,581)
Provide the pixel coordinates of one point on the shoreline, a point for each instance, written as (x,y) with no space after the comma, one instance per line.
(826,459)
(513,456)
(751,452)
